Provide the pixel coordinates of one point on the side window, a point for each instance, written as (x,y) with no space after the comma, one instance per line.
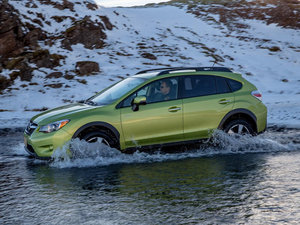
(128,100)
(222,86)
(234,85)
(165,90)
(201,85)
(157,91)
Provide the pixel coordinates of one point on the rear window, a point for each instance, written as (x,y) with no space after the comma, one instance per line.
(222,86)
(194,86)
(234,85)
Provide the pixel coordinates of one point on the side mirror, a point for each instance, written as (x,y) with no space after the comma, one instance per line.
(137,101)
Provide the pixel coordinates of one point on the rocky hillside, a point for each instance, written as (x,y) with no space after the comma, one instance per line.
(54,52)
(25,36)
(25,39)
(284,13)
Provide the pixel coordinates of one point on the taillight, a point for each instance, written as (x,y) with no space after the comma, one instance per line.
(257,95)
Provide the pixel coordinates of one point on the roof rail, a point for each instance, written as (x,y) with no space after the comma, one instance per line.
(164,68)
(173,69)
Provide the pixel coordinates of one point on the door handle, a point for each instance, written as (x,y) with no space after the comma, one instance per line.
(224,101)
(174,109)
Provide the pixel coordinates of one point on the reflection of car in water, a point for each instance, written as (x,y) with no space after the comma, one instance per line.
(153,108)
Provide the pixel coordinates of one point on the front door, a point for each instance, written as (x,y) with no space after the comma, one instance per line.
(157,122)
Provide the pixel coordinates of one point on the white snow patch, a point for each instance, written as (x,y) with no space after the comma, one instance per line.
(119,3)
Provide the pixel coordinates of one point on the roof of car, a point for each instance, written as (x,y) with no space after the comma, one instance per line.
(219,71)
(168,70)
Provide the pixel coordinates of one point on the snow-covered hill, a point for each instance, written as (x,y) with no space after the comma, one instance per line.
(70,50)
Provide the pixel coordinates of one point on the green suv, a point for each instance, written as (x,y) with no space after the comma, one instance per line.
(153,108)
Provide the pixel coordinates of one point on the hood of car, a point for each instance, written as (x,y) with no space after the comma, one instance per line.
(63,112)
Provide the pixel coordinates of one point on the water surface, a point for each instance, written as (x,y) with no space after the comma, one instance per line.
(257,184)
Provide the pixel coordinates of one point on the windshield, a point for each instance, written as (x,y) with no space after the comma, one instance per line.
(116,91)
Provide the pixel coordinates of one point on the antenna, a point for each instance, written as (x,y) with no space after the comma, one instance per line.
(214,63)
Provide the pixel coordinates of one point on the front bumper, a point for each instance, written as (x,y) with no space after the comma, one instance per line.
(42,145)
(32,153)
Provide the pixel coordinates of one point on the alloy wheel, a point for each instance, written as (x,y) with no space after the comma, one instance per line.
(98,139)
(238,129)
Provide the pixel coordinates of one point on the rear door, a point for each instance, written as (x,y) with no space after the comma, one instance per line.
(206,100)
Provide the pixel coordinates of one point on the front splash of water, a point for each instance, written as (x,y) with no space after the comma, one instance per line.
(85,154)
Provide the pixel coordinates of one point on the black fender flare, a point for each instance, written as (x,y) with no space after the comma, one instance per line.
(100,124)
(237,111)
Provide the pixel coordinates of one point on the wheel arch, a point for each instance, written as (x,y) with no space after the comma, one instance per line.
(97,126)
(239,114)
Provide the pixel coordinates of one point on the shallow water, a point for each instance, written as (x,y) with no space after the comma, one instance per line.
(232,180)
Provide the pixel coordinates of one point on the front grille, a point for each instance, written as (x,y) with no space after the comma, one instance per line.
(30,128)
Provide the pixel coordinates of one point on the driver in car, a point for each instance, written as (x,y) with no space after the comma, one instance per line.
(165,90)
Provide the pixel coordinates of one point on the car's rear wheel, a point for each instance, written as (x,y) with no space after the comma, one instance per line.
(99,136)
(239,126)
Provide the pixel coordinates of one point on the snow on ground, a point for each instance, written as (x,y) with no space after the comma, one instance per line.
(175,38)
(116,3)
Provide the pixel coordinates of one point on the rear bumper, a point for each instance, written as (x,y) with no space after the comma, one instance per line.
(262,115)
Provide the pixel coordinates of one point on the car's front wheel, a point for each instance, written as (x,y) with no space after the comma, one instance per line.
(99,136)
(239,126)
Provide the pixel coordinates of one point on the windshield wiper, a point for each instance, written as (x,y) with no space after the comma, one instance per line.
(90,102)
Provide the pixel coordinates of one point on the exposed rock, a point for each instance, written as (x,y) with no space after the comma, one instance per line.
(41,16)
(13,41)
(34,83)
(14,75)
(148,56)
(54,75)
(8,43)
(25,72)
(91,6)
(86,32)
(86,67)
(42,58)
(33,36)
(106,22)
(4,82)
(4,110)
(274,49)
(12,38)
(65,5)
(20,64)
(59,19)
(57,85)
(285,13)
(37,21)
(31,5)
(82,81)
(11,34)
(19,40)
(36,110)
(13,63)
(69,77)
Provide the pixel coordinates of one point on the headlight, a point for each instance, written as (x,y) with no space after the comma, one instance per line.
(53,126)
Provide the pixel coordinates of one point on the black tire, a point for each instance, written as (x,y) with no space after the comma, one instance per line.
(239,126)
(107,138)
